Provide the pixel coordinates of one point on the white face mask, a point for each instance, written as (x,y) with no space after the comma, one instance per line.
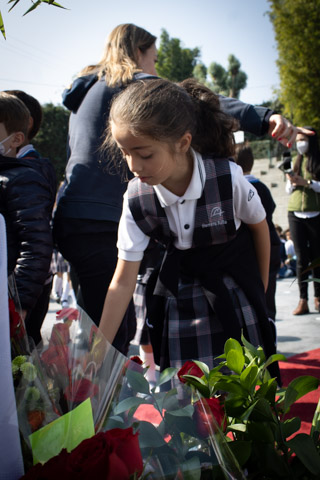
(3,148)
(302,146)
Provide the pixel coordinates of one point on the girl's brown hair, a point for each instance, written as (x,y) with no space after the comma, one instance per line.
(119,60)
(164,111)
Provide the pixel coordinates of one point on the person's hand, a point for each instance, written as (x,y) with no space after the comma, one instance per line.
(282,130)
(297,180)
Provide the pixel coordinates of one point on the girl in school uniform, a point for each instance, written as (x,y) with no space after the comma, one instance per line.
(189,196)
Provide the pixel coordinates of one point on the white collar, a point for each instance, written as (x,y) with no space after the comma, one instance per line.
(195,187)
(23,150)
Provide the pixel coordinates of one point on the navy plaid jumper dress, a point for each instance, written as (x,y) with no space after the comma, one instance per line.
(205,303)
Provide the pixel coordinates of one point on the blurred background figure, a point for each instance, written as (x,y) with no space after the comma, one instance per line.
(244,158)
(303,185)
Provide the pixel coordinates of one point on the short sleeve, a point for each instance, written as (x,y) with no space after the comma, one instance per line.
(132,242)
(246,201)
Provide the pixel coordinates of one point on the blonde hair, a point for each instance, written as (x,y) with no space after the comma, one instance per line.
(13,114)
(119,60)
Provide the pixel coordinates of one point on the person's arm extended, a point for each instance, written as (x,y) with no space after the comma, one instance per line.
(118,297)
(261,239)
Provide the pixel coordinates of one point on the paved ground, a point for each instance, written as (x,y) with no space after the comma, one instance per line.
(296,334)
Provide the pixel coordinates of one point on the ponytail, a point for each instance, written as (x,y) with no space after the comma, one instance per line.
(214,128)
(164,111)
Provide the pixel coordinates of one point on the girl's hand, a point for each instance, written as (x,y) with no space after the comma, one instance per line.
(282,130)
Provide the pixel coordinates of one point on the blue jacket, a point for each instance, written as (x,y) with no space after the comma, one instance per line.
(91,192)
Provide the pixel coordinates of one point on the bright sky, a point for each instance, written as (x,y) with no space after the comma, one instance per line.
(45,49)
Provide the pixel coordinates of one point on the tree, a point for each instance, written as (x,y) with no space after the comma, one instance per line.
(33,6)
(297,30)
(228,82)
(174,62)
(51,138)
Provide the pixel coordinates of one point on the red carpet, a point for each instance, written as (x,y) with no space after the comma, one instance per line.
(307,363)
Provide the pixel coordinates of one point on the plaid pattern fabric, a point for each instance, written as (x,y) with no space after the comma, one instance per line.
(214,222)
(192,330)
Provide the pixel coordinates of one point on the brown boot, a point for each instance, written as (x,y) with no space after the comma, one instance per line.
(302,307)
(317,303)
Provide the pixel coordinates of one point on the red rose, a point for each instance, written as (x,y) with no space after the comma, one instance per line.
(108,455)
(125,444)
(57,357)
(51,470)
(17,328)
(60,334)
(80,390)
(189,368)
(204,410)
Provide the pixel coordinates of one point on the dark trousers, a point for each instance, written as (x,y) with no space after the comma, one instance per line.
(305,233)
(36,316)
(272,284)
(93,256)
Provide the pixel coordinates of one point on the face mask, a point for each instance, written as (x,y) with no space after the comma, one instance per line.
(302,146)
(2,147)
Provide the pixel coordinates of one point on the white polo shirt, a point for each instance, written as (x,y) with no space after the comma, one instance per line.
(180,211)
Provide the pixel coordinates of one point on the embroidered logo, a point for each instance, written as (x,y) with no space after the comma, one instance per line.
(215,212)
(250,194)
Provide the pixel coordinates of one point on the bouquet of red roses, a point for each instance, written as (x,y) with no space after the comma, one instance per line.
(65,386)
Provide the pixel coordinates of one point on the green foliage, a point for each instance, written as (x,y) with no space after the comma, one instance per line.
(256,408)
(175,63)
(51,140)
(228,82)
(34,5)
(296,25)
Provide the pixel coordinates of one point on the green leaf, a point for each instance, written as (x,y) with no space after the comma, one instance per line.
(232,387)
(248,377)
(166,375)
(128,403)
(298,388)
(302,445)
(237,427)
(114,422)
(249,347)
(50,2)
(191,469)
(268,390)
(262,411)
(2,27)
(137,382)
(186,411)
(232,344)
(33,7)
(15,3)
(203,366)
(149,436)
(291,426)
(241,450)
(261,432)
(235,361)
(316,420)
(277,357)
(199,385)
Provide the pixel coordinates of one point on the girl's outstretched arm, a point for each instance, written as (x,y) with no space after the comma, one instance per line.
(261,238)
(118,297)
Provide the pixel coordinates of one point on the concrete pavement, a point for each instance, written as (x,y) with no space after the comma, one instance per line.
(295,334)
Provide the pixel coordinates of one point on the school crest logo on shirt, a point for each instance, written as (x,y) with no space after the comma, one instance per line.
(216,212)
(250,194)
